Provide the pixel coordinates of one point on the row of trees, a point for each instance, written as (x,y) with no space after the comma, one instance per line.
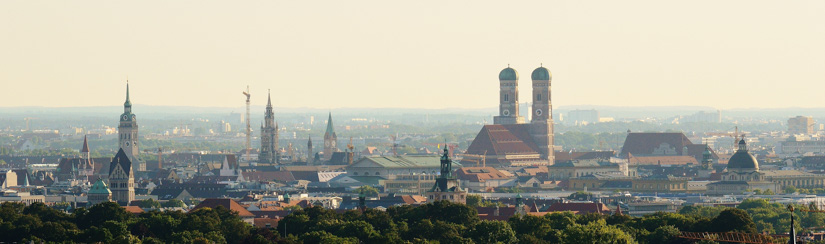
(439,222)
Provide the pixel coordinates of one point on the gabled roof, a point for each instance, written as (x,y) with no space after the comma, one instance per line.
(646,142)
(226,203)
(661,160)
(122,160)
(503,140)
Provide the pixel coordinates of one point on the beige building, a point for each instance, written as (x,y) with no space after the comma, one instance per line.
(408,184)
(801,125)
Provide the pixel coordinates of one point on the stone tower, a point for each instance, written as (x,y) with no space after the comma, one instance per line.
(122,178)
(447,187)
(269,136)
(310,158)
(128,130)
(541,128)
(330,140)
(508,109)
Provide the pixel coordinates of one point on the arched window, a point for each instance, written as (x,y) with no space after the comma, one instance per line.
(506,97)
(355,173)
(366,173)
(377,173)
(538,97)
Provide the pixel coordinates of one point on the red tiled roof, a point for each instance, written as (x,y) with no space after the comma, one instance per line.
(226,203)
(644,143)
(479,174)
(579,207)
(261,222)
(495,140)
(133,209)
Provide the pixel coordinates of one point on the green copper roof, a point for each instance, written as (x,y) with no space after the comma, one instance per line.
(100,187)
(407,161)
(330,129)
(127,103)
(508,74)
(541,73)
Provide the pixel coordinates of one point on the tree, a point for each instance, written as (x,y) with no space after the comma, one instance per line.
(473,200)
(494,231)
(596,232)
(664,234)
(149,203)
(368,191)
(580,196)
(174,203)
(789,189)
(733,219)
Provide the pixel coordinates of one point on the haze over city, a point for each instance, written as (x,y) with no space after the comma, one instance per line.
(431,54)
(570,122)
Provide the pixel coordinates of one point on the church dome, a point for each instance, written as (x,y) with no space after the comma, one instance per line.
(508,74)
(742,159)
(541,73)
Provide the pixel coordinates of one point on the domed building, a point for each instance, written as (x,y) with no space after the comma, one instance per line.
(743,175)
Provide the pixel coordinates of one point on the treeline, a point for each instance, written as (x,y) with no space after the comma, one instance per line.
(440,222)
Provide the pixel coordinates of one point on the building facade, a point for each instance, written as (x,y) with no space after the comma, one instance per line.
(447,187)
(801,125)
(270,152)
(99,193)
(122,178)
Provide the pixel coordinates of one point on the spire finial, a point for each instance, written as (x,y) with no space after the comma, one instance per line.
(508,65)
(541,64)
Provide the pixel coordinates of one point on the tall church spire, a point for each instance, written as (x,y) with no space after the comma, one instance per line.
(330,128)
(127,103)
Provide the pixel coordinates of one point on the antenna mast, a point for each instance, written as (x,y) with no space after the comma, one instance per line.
(248,126)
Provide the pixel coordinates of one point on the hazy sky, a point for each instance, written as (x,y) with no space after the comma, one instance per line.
(414,54)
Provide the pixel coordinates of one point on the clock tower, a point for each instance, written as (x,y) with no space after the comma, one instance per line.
(330,139)
(128,130)
(541,125)
(508,111)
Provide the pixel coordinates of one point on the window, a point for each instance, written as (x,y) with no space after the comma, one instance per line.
(506,97)
(538,97)
(377,173)
(355,173)
(366,173)
(452,197)
(431,197)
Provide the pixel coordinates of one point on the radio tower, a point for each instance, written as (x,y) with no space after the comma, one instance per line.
(248,126)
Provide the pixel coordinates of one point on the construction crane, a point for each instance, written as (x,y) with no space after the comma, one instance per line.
(736,135)
(248,125)
(451,146)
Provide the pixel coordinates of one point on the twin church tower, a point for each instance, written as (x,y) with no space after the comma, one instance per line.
(511,140)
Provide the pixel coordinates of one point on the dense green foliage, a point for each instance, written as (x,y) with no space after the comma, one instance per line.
(439,222)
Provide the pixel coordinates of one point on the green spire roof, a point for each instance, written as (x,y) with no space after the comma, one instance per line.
(508,74)
(127,103)
(100,187)
(330,129)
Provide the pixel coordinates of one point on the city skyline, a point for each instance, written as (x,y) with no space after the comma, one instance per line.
(417,56)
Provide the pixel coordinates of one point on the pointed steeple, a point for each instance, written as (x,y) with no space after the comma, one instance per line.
(128,103)
(268,99)
(26,180)
(330,128)
(309,141)
(85,145)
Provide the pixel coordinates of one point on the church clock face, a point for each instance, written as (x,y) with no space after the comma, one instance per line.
(506,112)
(538,112)
(125,117)
(127,143)
(326,143)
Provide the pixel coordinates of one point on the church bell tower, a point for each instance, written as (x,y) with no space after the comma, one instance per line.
(128,130)
(508,109)
(541,128)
